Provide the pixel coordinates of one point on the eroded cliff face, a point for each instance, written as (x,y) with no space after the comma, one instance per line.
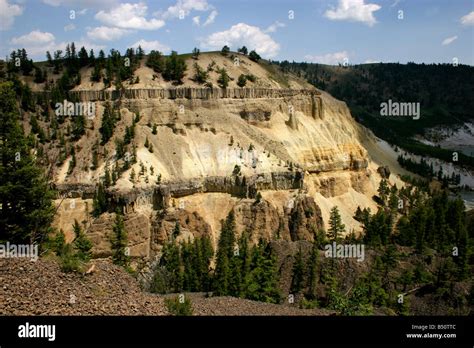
(278,152)
(300,149)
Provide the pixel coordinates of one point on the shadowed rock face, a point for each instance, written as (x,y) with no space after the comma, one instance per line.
(304,219)
(185,92)
(255,116)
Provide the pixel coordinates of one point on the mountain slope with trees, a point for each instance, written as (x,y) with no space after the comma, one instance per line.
(444,92)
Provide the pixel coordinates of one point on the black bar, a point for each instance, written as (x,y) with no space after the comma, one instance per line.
(224,331)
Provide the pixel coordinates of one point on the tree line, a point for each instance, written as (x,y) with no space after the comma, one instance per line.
(240,270)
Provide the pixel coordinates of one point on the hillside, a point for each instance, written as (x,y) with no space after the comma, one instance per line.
(444,92)
(41,288)
(200,175)
(195,148)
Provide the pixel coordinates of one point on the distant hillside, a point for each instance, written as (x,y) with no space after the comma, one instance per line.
(137,70)
(444,92)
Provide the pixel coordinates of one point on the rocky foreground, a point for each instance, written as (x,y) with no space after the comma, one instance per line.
(41,288)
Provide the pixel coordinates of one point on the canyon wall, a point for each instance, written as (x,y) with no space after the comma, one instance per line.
(214,150)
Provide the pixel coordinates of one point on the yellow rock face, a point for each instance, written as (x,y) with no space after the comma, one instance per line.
(259,133)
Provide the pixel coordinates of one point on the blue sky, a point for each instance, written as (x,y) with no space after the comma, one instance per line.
(325,31)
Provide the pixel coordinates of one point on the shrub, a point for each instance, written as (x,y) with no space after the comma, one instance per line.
(179,306)
(308,304)
(254,56)
(243,50)
(242,80)
(236,170)
(69,260)
(225,50)
(200,75)
(251,77)
(223,79)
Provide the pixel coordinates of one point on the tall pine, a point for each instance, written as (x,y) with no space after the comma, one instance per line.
(26,209)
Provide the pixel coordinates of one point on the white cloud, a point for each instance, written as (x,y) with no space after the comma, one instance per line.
(197,20)
(371,61)
(106,33)
(354,10)
(81,3)
(8,12)
(34,37)
(211,18)
(449,40)
(184,7)
(274,27)
(129,16)
(468,19)
(243,34)
(37,43)
(69,27)
(329,58)
(151,45)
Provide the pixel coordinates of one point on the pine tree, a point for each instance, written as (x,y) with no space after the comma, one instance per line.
(223,79)
(132,175)
(200,75)
(393,199)
(242,80)
(176,230)
(262,280)
(189,275)
(171,260)
(72,162)
(59,243)
(91,56)
(225,50)
(83,57)
(78,127)
(96,75)
(26,199)
(49,58)
(207,253)
(224,254)
(254,56)
(156,61)
(39,77)
(175,67)
(312,271)
(107,178)
(243,50)
(383,190)
(196,53)
(119,242)
(99,202)
(108,124)
(336,227)
(95,159)
(82,243)
(298,273)
(236,278)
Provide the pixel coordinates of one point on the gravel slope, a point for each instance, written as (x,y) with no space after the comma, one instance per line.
(41,288)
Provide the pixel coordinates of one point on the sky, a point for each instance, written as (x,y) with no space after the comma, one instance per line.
(321,31)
